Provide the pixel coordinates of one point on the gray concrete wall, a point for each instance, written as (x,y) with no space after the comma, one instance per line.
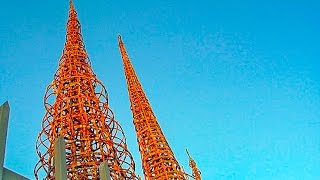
(5,174)
(10,175)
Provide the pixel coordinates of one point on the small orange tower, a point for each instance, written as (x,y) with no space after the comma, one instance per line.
(195,171)
(77,109)
(158,161)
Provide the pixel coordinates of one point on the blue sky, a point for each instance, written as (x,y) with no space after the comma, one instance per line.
(236,82)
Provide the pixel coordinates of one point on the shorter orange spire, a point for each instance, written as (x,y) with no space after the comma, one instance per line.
(195,171)
(158,160)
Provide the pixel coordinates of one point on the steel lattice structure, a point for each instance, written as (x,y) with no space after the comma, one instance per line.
(77,108)
(158,160)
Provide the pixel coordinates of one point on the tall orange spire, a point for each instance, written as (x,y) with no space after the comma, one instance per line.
(158,161)
(195,171)
(77,108)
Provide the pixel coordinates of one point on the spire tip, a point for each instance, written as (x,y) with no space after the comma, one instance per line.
(119,38)
(188,153)
(71,4)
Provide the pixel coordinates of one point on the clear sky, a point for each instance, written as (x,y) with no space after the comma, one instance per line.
(236,82)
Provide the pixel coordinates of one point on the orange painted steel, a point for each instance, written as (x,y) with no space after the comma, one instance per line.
(158,161)
(195,171)
(77,108)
